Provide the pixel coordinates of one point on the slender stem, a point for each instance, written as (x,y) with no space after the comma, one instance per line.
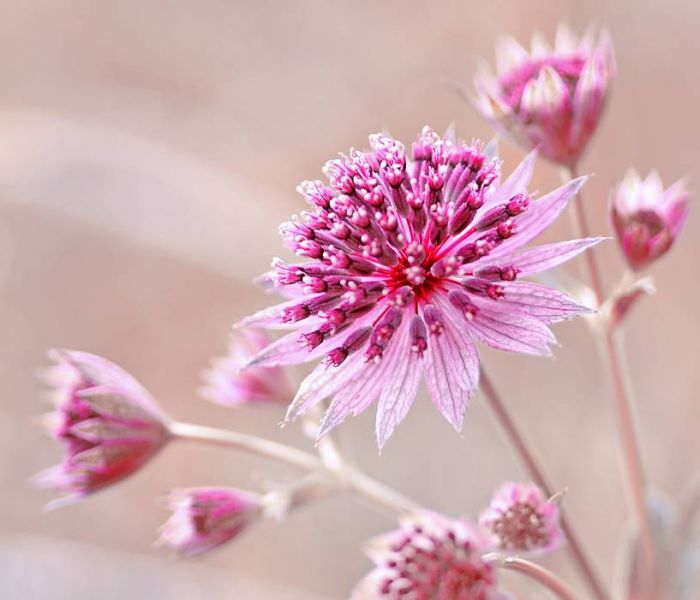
(539,574)
(246,443)
(623,400)
(354,479)
(535,473)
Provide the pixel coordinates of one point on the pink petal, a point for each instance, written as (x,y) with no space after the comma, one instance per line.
(541,302)
(400,391)
(517,182)
(546,257)
(540,215)
(510,332)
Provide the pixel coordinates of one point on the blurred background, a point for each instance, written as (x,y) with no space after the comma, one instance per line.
(148,151)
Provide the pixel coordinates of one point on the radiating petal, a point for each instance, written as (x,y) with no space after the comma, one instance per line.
(539,215)
(541,302)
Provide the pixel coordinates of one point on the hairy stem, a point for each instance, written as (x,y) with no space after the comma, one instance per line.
(623,398)
(539,574)
(347,477)
(535,473)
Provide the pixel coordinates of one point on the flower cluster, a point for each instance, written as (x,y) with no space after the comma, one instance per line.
(108,424)
(412,259)
(549,99)
(647,219)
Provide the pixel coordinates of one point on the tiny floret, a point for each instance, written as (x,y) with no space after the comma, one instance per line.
(550,99)
(204,519)
(428,262)
(520,520)
(430,556)
(647,219)
(108,424)
(229,384)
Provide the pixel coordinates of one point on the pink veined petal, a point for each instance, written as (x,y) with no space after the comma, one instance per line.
(510,332)
(270,317)
(450,374)
(357,396)
(322,382)
(399,392)
(466,354)
(517,182)
(545,257)
(540,215)
(541,302)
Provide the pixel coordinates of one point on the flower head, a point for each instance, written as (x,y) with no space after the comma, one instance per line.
(205,518)
(109,425)
(549,99)
(521,520)
(430,556)
(229,385)
(412,259)
(647,219)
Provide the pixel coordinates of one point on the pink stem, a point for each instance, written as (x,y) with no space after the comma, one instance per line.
(539,574)
(623,404)
(534,472)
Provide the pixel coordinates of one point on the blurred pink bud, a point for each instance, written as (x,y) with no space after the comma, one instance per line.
(549,99)
(205,518)
(625,298)
(430,556)
(109,425)
(521,520)
(647,219)
(229,383)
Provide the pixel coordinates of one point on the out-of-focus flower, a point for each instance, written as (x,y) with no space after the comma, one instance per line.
(647,219)
(521,520)
(205,518)
(227,384)
(412,261)
(548,99)
(621,302)
(430,556)
(109,425)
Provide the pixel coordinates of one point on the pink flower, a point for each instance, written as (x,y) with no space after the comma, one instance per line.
(549,99)
(412,261)
(228,385)
(430,556)
(205,518)
(109,425)
(521,520)
(647,218)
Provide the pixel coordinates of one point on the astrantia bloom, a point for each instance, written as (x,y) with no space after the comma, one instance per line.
(647,218)
(430,557)
(205,518)
(109,425)
(521,520)
(228,385)
(549,99)
(412,260)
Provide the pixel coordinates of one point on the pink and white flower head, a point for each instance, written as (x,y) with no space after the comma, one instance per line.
(520,520)
(412,260)
(647,219)
(205,518)
(228,384)
(109,425)
(549,99)
(430,557)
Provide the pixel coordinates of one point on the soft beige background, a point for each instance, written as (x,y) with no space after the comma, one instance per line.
(148,151)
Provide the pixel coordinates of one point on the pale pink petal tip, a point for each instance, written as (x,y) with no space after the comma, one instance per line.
(550,99)
(647,219)
(232,382)
(108,424)
(430,556)
(520,520)
(204,519)
(413,257)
